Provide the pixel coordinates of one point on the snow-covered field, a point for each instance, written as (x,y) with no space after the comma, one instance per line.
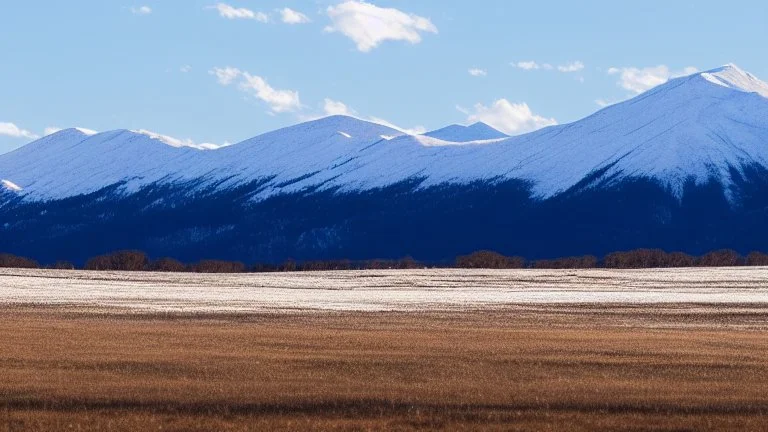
(406,290)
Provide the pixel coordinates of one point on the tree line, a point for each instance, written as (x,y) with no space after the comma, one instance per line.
(132,260)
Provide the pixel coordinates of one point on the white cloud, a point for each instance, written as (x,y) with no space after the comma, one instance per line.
(176,142)
(279,101)
(333,107)
(510,118)
(532,65)
(290,16)
(229,12)
(416,130)
(571,67)
(526,65)
(185,68)
(369,25)
(141,10)
(225,76)
(478,72)
(13,131)
(638,80)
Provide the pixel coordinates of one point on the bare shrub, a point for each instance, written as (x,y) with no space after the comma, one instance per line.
(379,264)
(680,259)
(638,258)
(406,263)
(757,259)
(586,261)
(326,265)
(167,265)
(647,258)
(264,268)
(218,266)
(122,261)
(289,265)
(13,261)
(489,260)
(721,258)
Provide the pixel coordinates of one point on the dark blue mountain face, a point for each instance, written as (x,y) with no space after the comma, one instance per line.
(432,224)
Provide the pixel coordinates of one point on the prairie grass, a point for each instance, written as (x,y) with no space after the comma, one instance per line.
(683,367)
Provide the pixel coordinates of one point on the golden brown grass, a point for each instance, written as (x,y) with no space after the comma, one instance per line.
(519,368)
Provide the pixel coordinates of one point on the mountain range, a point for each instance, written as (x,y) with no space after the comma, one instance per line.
(683,166)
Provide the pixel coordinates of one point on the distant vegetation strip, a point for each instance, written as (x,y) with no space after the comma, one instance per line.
(635,259)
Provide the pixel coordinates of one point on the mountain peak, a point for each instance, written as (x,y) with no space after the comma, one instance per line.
(459,133)
(341,125)
(735,78)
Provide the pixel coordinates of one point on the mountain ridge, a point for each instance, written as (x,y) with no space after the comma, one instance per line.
(683,166)
(696,126)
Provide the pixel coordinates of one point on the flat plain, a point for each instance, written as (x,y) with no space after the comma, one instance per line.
(385,350)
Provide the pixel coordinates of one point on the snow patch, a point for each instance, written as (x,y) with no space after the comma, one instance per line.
(85,131)
(731,76)
(9,185)
(176,142)
(344,134)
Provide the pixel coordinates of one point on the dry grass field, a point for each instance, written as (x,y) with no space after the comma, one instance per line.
(525,367)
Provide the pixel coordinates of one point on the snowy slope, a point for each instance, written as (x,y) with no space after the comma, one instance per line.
(693,127)
(72,162)
(690,127)
(458,133)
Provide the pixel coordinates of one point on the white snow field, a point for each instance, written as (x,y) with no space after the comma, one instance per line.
(706,125)
(389,290)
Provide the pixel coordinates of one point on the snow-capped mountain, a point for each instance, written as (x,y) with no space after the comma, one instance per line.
(679,155)
(693,127)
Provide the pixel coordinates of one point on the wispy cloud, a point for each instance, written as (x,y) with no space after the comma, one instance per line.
(638,80)
(11,130)
(141,10)
(510,118)
(279,101)
(574,66)
(185,68)
(476,72)
(571,67)
(290,16)
(334,107)
(531,65)
(230,12)
(369,25)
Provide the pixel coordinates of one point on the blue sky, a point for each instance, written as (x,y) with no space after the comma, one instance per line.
(221,72)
